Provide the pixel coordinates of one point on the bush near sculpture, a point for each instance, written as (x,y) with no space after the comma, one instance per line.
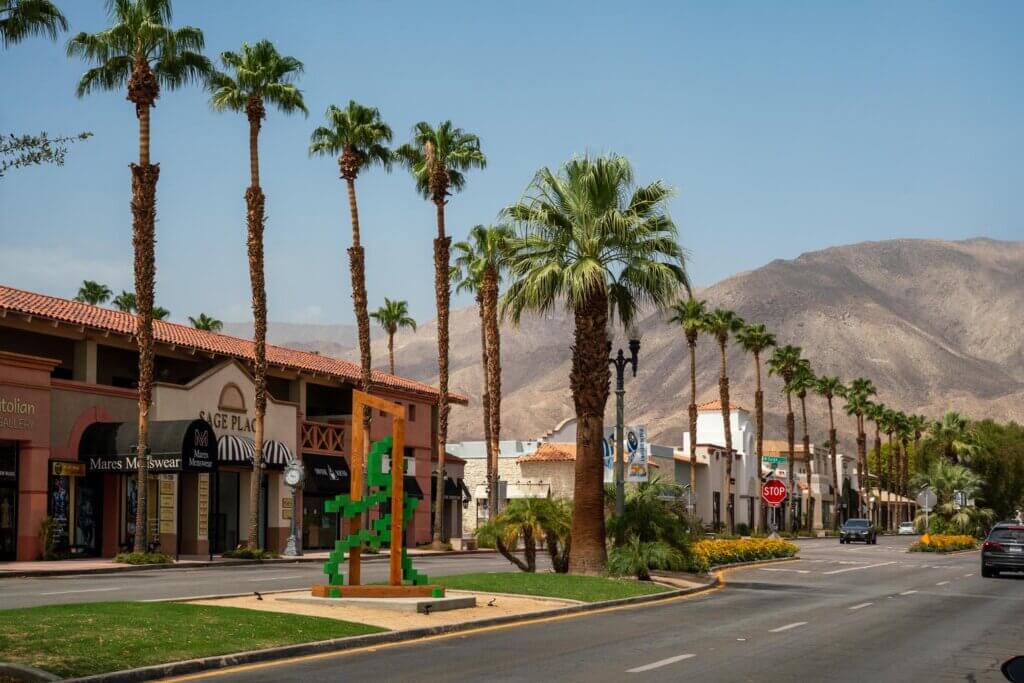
(711,553)
(938,543)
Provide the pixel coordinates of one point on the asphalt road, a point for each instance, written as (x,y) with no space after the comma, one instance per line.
(205,581)
(841,613)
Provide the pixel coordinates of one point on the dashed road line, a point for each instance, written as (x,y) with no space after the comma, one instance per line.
(862,605)
(967,576)
(795,571)
(658,664)
(853,569)
(780,629)
(908,592)
(942,583)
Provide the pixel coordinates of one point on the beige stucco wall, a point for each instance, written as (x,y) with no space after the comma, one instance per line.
(560,474)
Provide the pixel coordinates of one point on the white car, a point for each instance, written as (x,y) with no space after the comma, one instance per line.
(907,529)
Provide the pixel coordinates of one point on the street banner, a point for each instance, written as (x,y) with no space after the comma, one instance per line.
(635,442)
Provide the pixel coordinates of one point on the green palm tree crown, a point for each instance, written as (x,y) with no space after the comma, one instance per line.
(864,387)
(20,19)
(140,31)
(486,247)
(261,75)
(755,338)
(205,322)
(589,231)
(829,387)
(125,301)
(720,323)
(438,158)
(784,363)
(393,315)
(160,313)
(803,379)
(690,314)
(93,293)
(356,135)
(954,435)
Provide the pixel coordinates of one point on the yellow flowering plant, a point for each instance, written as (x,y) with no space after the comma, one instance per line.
(943,543)
(706,554)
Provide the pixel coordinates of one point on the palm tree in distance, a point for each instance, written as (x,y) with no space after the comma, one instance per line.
(755,340)
(600,246)
(358,137)
(438,159)
(802,382)
(830,387)
(479,262)
(876,413)
(889,425)
(690,314)
(125,301)
(857,401)
(207,323)
(784,363)
(393,316)
(721,324)
(142,52)
(93,293)
(904,433)
(262,76)
(954,436)
(160,313)
(21,19)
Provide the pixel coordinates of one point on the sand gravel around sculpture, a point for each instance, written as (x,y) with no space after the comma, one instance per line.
(503,605)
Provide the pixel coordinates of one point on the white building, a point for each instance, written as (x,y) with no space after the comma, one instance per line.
(475,474)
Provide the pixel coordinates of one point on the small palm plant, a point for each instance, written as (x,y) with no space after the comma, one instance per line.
(637,558)
(530,519)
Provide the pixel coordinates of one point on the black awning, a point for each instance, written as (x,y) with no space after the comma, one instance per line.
(326,474)
(174,446)
(466,495)
(451,489)
(411,487)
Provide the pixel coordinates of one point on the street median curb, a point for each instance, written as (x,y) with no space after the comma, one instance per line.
(190,666)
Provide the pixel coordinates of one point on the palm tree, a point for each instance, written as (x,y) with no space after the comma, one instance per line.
(904,433)
(784,363)
(20,19)
(755,340)
(530,519)
(954,437)
(358,137)
(393,316)
(857,402)
(945,479)
(125,301)
(830,387)
(160,313)
(438,159)
(876,413)
(720,324)
(598,245)
(142,52)
(803,381)
(261,76)
(205,322)
(889,426)
(691,314)
(93,293)
(478,265)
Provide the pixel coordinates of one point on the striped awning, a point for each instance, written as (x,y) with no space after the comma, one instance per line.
(240,450)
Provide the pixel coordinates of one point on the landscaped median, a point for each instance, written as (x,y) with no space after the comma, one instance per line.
(941,543)
(564,586)
(714,553)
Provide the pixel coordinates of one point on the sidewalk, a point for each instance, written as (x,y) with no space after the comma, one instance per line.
(108,566)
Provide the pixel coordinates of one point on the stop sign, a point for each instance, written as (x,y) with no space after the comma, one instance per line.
(773,492)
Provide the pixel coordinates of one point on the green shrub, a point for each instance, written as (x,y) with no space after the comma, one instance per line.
(246,553)
(144,558)
(742,529)
(637,558)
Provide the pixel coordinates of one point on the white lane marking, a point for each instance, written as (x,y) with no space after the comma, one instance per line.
(942,583)
(274,578)
(787,627)
(853,569)
(862,605)
(908,592)
(796,571)
(84,590)
(967,576)
(658,664)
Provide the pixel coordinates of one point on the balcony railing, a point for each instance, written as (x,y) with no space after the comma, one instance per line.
(324,437)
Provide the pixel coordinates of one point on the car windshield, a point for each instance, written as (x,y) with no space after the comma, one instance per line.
(907,524)
(858,523)
(1015,534)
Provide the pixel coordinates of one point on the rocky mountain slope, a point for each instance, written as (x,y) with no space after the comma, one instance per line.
(937,325)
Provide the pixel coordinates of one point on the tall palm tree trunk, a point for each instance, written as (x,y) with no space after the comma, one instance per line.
(255,220)
(391,351)
(810,466)
(692,410)
(794,523)
(143,91)
(891,484)
(837,491)
(758,521)
(493,360)
(442,246)
(723,392)
(485,401)
(862,473)
(590,380)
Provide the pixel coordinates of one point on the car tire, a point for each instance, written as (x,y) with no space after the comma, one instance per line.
(874,541)
(986,573)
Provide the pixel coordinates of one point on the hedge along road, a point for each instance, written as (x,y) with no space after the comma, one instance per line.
(206,581)
(905,616)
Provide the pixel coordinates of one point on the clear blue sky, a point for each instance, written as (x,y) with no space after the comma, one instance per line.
(785,126)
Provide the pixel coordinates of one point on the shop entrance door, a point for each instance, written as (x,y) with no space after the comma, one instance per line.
(8,501)
(88,513)
(225,512)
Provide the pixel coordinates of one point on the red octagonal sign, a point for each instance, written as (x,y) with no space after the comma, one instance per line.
(773,492)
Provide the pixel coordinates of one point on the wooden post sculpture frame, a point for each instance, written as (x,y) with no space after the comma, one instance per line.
(353,506)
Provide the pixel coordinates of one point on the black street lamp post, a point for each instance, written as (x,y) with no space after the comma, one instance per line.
(620,362)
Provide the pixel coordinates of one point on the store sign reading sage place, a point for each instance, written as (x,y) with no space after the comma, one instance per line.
(17,414)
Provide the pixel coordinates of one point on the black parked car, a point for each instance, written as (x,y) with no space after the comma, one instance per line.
(1003,550)
(858,530)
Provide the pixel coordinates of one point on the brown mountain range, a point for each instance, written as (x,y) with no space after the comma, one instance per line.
(935,324)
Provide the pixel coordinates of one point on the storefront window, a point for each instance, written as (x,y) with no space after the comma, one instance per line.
(8,501)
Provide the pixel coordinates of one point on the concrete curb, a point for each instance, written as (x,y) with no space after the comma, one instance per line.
(149,673)
(23,672)
(15,574)
(737,565)
(949,554)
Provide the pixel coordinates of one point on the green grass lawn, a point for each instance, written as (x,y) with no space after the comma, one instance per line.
(78,640)
(582,588)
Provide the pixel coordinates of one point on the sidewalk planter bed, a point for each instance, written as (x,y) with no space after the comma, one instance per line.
(938,543)
(707,554)
(246,553)
(551,585)
(80,640)
(144,558)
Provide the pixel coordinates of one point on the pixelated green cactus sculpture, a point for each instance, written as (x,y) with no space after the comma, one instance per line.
(379,483)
